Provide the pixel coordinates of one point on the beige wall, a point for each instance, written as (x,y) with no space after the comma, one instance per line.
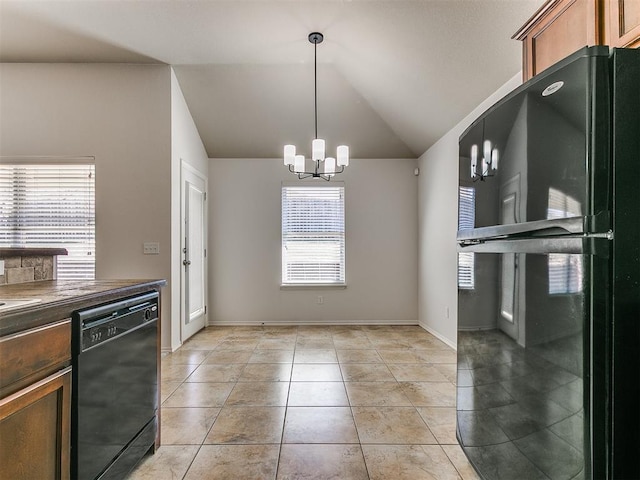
(245,243)
(133,120)
(121,115)
(438,223)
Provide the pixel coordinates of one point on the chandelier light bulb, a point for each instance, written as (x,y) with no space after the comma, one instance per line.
(289,154)
(298,166)
(317,150)
(474,160)
(494,159)
(486,157)
(342,154)
(330,166)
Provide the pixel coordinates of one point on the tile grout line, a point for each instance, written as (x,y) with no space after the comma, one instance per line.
(286,408)
(205,436)
(364,459)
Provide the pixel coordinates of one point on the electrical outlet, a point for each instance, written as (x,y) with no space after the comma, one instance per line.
(320,300)
(151,248)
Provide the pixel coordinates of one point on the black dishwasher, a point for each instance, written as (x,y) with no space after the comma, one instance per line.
(115,388)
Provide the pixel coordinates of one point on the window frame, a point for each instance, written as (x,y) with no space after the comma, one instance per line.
(51,162)
(313,284)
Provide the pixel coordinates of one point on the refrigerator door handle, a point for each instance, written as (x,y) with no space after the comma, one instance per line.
(561,226)
(594,245)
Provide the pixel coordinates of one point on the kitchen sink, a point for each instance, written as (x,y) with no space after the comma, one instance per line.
(6,304)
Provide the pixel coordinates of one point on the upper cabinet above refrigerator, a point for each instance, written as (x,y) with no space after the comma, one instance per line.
(561,27)
(534,158)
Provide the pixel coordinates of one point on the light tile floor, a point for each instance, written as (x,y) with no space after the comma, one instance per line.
(335,402)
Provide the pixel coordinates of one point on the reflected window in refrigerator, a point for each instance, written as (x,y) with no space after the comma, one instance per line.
(466,220)
(466,270)
(565,273)
(562,205)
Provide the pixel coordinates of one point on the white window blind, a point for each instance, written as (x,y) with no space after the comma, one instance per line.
(313,235)
(466,219)
(565,273)
(565,270)
(562,205)
(51,206)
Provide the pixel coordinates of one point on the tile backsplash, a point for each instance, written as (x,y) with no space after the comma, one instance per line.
(21,269)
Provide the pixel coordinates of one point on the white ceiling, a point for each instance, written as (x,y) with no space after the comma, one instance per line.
(393,76)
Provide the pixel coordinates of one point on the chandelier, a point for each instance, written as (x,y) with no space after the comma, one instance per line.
(297,163)
(489,163)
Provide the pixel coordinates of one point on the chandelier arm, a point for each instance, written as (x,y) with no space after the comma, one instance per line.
(303,175)
(482,177)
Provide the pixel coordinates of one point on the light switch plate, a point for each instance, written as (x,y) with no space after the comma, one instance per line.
(151,248)
(1,267)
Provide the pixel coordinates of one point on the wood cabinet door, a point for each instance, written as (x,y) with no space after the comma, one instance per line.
(624,23)
(558,29)
(34,354)
(35,430)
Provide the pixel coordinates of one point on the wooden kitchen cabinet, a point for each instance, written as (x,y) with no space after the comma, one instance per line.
(35,403)
(624,23)
(34,430)
(560,27)
(557,29)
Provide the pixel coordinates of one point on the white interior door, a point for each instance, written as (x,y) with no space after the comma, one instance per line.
(194,253)
(508,320)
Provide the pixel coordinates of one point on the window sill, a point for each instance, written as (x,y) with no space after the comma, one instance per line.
(313,286)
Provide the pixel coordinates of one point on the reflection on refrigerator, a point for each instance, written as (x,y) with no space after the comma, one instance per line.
(549,275)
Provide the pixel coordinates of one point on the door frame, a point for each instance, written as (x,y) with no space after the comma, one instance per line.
(184,168)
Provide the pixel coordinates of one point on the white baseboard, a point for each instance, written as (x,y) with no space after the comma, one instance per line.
(439,336)
(286,323)
(281,323)
(477,329)
(170,349)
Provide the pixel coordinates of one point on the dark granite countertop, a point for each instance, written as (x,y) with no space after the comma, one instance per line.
(36,252)
(59,298)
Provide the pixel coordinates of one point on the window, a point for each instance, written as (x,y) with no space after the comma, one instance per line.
(565,270)
(51,206)
(565,273)
(466,220)
(313,234)
(562,205)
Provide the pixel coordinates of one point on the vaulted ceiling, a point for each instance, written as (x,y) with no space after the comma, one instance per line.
(393,76)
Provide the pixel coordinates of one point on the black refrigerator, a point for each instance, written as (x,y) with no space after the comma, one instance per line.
(549,275)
